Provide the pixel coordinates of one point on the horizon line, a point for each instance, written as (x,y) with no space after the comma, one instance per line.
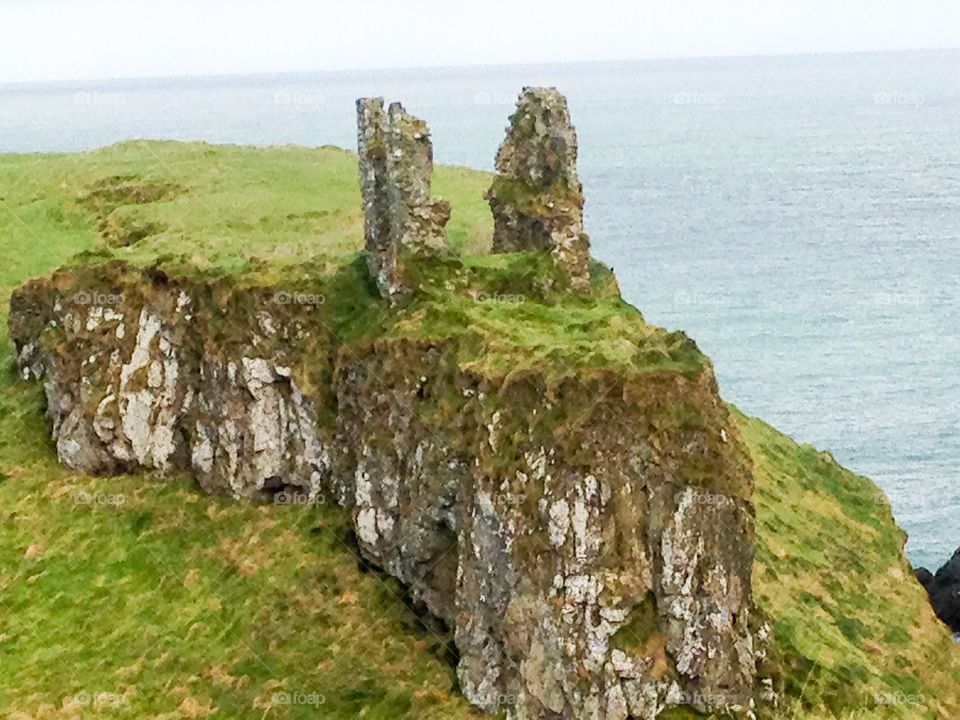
(414,68)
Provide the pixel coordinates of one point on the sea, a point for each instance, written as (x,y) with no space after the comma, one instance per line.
(798,216)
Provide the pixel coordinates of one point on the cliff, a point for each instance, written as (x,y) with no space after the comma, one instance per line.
(554,482)
(538,495)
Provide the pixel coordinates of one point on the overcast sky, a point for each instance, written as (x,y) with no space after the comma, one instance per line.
(78,39)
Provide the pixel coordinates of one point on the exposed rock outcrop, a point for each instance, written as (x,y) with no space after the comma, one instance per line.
(944,590)
(149,376)
(583,577)
(401,219)
(588,539)
(536,197)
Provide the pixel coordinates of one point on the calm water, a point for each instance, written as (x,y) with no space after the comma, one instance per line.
(798,216)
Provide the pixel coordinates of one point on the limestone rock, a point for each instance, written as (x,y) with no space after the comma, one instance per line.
(583,571)
(536,197)
(254,433)
(377,231)
(583,578)
(401,219)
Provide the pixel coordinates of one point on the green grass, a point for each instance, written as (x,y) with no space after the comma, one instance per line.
(291,217)
(852,627)
(229,203)
(164,602)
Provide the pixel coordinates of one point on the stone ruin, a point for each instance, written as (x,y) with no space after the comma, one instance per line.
(401,219)
(536,197)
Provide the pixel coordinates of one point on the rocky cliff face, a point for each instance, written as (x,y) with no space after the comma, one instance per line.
(146,372)
(583,525)
(589,539)
(550,526)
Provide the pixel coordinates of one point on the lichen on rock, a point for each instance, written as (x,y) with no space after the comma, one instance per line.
(143,381)
(536,196)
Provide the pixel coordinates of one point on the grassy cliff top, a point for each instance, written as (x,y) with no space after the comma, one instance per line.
(291,219)
(163,602)
(215,205)
(854,633)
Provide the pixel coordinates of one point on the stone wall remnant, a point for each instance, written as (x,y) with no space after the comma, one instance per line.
(401,219)
(536,196)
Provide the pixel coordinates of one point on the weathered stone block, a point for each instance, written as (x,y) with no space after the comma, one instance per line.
(372,150)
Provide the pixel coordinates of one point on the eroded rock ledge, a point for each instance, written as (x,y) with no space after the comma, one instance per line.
(584,525)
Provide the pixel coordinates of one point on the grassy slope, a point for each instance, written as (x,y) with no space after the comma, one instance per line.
(853,627)
(174,603)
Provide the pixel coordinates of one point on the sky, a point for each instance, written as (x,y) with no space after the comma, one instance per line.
(43,40)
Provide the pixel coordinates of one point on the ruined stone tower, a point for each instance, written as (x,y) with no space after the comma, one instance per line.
(536,197)
(401,219)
